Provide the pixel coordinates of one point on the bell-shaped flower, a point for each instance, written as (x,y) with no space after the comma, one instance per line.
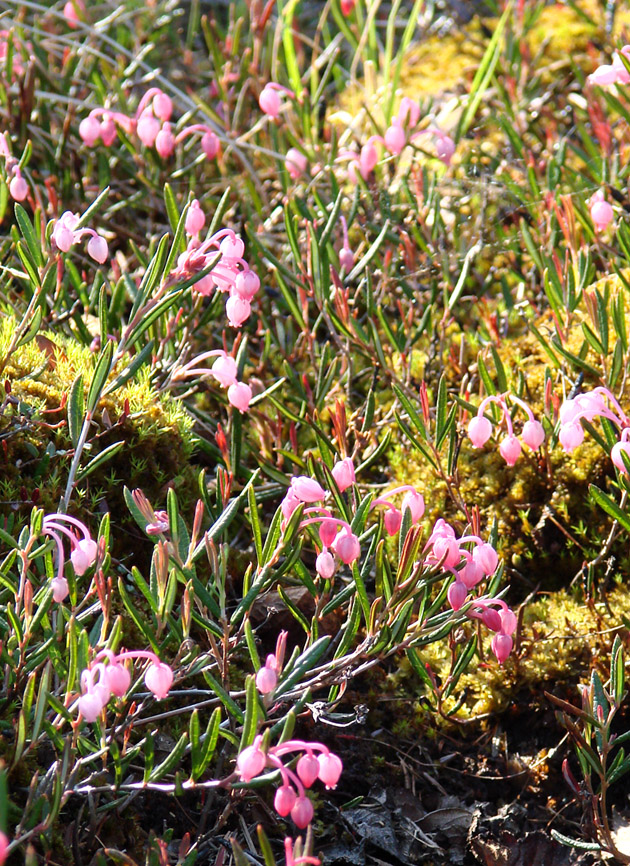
(284,800)
(308,769)
(251,761)
(239,395)
(510,449)
(83,555)
(295,162)
(159,679)
(330,768)
(302,812)
(533,434)
(195,218)
(479,430)
(347,547)
(343,473)
(307,489)
(325,565)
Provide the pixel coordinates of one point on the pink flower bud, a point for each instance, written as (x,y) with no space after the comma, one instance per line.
(284,800)
(4,847)
(307,489)
(147,128)
(533,434)
(239,395)
(392,521)
(501,646)
(302,812)
(444,148)
(225,370)
(508,621)
(325,565)
(90,706)
(232,247)
(602,214)
(571,435)
(330,768)
(471,574)
(90,130)
(108,130)
(395,138)
(347,546)
(447,548)
(195,218)
(270,102)
(266,681)
(415,503)
(251,761)
(210,144)
(158,679)
(162,106)
(328,531)
(60,589)
(510,449)
(165,141)
(18,187)
(346,258)
(456,594)
(70,14)
(368,159)
(343,473)
(616,455)
(479,431)
(237,310)
(246,285)
(63,236)
(491,619)
(307,769)
(295,162)
(487,557)
(118,679)
(83,555)
(97,249)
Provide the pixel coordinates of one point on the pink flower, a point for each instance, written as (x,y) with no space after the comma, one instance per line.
(246,285)
(392,521)
(90,706)
(571,435)
(602,213)
(302,812)
(456,594)
(295,162)
(510,449)
(330,768)
(284,801)
(210,144)
(270,103)
(395,138)
(162,105)
(267,679)
(328,531)
(501,646)
(347,546)
(70,12)
(343,473)
(289,504)
(64,231)
(83,555)
(165,141)
(471,574)
(616,455)
(486,556)
(479,431)
(18,186)
(307,489)
(195,218)
(239,394)
(325,565)
(60,589)
(225,370)
(148,128)
(118,679)
(4,847)
(251,761)
(97,249)
(308,769)
(414,501)
(444,147)
(237,310)
(158,679)
(90,130)
(533,434)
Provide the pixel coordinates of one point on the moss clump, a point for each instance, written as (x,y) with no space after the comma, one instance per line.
(562,639)
(37,450)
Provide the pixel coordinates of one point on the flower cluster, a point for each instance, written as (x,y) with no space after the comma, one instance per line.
(17,185)
(108,676)
(224,370)
(480,429)
(502,621)
(597,403)
(65,234)
(83,553)
(316,762)
(222,252)
(412,500)
(616,73)
(400,132)
(151,123)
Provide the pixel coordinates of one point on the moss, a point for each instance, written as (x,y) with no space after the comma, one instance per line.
(561,641)
(156,431)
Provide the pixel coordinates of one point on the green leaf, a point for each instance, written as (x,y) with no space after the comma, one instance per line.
(28,233)
(101,373)
(609,506)
(171,761)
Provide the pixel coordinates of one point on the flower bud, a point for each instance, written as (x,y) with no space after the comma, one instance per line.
(225,370)
(158,679)
(162,106)
(501,646)
(510,450)
(328,531)
(456,594)
(251,761)
(571,435)
(237,310)
(165,141)
(90,130)
(533,434)
(296,163)
(395,138)
(210,144)
(239,394)
(108,130)
(414,501)
(302,812)
(392,521)
(90,706)
(270,101)
(147,128)
(616,455)
(284,801)
(343,473)
(487,557)
(346,258)
(97,249)
(307,489)
(118,679)
(307,769)
(18,187)
(60,589)
(266,681)
(83,555)
(347,547)
(479,431)
(246,285)
(330,768)
(325,565)
(195,218)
